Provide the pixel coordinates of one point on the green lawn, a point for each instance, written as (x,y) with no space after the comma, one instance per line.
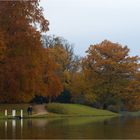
(76,109)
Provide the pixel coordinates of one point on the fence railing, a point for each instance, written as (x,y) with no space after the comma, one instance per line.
(13,113)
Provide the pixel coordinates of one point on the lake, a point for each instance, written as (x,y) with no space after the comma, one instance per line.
(73,127)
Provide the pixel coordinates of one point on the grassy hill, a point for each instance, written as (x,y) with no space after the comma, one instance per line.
(76,109)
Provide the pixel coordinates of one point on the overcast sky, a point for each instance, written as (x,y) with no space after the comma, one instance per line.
(85,22)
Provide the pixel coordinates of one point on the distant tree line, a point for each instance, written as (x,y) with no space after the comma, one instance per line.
(41,68)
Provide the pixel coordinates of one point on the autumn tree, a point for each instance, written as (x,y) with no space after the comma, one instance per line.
(109,68)
(2,47)
(52,81)
(61,51)
(22,71)
(132,93)
(69,70)
(81,91)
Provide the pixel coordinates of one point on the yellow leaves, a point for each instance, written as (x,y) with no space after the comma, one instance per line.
(132,94)
(79,87)
(60,56)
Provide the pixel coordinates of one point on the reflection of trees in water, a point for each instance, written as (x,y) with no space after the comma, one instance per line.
(5,124)
(105,122)
(37,123)
(120,127)
(29,123)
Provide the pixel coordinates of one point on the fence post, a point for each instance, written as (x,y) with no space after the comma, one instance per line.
(6,113)
(21,113)
(13,113)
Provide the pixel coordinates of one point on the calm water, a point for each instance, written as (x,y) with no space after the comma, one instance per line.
(71,128)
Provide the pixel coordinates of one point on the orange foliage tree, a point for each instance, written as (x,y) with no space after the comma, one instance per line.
(22,72)
(109,69)
(2,47)
(68,64)
(51,77)
(132,94)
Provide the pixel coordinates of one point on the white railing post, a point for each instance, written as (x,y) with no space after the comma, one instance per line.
(13,113)
(6,113)
(21,113)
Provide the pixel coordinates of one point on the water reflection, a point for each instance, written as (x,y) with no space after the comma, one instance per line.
(21,128)
(29,123)
(5,123)
(13,128)
(71,128)
(105,122)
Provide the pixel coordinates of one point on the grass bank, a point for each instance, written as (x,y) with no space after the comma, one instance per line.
(77,110)
(56,110)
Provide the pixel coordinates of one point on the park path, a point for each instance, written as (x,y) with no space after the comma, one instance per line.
(40,109)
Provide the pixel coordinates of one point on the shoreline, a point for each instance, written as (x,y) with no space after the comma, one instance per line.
(56,116)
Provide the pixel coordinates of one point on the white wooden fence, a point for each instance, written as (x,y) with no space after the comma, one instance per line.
(14,113)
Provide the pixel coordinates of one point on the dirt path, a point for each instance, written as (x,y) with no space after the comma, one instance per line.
(39,109)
